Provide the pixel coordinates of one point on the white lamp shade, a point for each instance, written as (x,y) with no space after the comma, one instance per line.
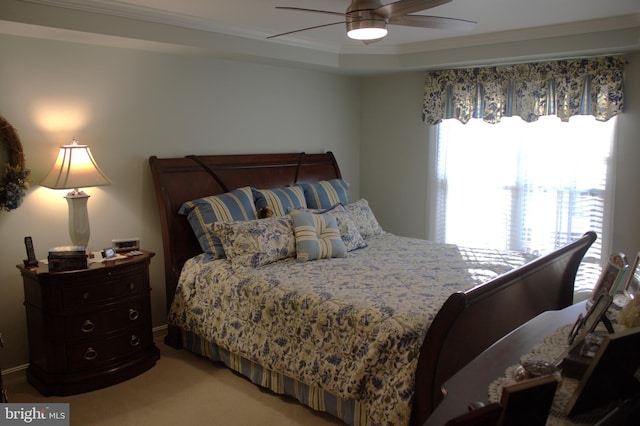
(74,168)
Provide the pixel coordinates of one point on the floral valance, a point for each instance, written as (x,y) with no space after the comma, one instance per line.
(564,88)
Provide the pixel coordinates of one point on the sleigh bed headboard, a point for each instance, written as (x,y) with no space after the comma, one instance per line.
(182,179)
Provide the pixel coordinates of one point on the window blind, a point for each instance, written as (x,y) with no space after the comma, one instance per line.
(530,187)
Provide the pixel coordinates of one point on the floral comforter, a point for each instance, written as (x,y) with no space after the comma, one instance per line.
(352,326)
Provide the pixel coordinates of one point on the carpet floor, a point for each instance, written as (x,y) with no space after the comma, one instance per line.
(181,389)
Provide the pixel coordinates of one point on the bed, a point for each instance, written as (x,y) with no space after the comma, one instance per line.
(376,356)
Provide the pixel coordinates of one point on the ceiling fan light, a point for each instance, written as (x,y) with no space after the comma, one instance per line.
(367,29)
(367,33)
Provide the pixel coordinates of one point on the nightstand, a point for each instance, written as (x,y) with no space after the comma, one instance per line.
(90,328)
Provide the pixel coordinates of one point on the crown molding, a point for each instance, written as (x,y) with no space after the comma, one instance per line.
(115,23)
(537,33)
(141,13)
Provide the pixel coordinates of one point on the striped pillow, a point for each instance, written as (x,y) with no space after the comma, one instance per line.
(317,236)
(325,194)
(280,200)
(348,229)
(201,213)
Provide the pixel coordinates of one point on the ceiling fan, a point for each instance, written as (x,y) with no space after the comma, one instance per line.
(367,20)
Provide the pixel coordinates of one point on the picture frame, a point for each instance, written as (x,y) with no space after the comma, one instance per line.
(611,374)
(585,324)
(632,284)
(528,402)
(611,276)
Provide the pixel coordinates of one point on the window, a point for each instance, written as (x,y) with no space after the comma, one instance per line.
(530,187)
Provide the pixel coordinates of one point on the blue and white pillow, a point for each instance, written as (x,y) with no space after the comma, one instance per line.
(363,217)
(258,242)
(317,236)
(348,229)
(279,200)
(230,206)
(325,194)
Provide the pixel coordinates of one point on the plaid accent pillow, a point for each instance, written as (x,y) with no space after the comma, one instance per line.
(348,229)
(317,236)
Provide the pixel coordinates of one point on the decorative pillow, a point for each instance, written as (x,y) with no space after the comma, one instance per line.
(257,242)
(348,230)
(317,236)
(279,200)
(201,213)
(364,218)
(325,194)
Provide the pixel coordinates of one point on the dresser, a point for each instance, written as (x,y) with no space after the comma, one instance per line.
(88,328)
(471,383)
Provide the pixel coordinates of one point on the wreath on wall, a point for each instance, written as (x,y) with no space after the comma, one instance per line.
(14,182)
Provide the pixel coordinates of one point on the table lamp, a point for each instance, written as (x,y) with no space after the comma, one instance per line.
(75,168)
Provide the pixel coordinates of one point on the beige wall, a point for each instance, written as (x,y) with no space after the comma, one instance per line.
(128,105)
(626,232)
(395,152)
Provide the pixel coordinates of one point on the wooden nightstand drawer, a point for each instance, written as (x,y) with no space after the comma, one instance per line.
(88,355)
(89,328)
(110,320)
(75,296)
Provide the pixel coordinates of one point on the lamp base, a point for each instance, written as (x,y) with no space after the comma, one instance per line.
(78,217)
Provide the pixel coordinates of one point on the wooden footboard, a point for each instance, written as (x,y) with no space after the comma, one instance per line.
(469,322)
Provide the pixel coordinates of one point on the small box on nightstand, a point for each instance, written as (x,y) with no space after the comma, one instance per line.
(67,258)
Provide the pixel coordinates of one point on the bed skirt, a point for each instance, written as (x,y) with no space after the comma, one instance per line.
(350,411)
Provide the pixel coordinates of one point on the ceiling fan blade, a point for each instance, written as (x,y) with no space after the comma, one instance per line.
(406,7)
(436,22)
(306,29)
(300,9)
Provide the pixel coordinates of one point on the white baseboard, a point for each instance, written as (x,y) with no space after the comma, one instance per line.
(15,371)
(159,331)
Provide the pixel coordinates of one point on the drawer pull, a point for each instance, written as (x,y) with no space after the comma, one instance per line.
(133,314)
(90,354)
(85,295)
(87,326)
(134,341)
(132,286)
